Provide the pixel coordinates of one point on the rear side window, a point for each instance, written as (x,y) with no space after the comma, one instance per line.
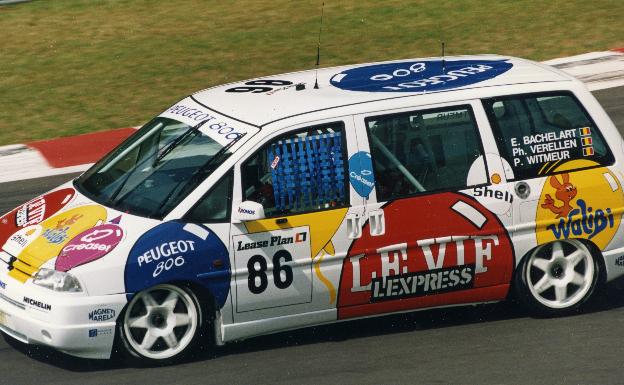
(537,133)
(425,151)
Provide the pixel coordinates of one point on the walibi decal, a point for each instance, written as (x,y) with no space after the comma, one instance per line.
(419,76)
(175,251)
(437,249)
(580,204)
(361,173)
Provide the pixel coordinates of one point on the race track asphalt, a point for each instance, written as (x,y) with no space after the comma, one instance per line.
(498,344)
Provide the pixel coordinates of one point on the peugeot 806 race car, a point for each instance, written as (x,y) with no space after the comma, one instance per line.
(271,204)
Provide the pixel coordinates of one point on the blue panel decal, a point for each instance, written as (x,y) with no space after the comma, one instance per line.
(175,251)
(361,173)
(419,76)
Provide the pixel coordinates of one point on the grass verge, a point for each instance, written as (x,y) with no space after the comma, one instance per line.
(74,66)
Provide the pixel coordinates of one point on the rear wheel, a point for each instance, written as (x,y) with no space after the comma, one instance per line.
(558,277)
(162,324)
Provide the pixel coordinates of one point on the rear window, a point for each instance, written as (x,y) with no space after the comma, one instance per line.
(537,133)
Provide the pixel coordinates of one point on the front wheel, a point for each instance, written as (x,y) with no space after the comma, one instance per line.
(557,278)
(161,324)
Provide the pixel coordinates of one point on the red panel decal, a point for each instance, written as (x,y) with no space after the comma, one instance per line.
(34,212)
(437,250)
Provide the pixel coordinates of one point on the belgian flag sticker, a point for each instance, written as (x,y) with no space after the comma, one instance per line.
(586,141)
(588,151)
(585,131)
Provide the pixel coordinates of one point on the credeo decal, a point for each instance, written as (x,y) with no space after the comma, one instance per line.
(361,173)
(89,246)
(36,303)
(580,204)
(419,76)
(100,315)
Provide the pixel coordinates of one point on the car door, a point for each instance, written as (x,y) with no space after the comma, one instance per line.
(290,261)
(427,240)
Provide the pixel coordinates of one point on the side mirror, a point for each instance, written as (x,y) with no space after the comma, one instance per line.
(248,211)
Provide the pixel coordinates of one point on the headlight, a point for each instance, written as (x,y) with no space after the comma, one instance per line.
(57,280)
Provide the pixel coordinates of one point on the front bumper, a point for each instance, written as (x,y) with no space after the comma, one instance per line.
(74,323)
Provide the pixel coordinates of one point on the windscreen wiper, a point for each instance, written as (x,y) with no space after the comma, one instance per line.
(198,174)
(176,142)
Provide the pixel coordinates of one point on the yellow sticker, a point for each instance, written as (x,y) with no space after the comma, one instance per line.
(55,232)
(580,204)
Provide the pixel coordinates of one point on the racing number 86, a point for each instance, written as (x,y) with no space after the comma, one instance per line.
(258,280)
(252,86)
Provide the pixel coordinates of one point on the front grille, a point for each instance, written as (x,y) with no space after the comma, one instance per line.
(21,270)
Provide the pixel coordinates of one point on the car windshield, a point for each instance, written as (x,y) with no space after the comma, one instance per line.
(150,173)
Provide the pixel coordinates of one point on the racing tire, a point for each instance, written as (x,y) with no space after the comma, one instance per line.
(161,326)
(557,278)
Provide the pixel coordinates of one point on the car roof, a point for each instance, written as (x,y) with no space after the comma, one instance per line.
(361,83)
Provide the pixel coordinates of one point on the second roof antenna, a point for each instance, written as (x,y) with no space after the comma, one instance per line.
(443,61)
(318,50)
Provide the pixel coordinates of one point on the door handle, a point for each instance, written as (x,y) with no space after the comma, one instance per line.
(377,222)
(354,230)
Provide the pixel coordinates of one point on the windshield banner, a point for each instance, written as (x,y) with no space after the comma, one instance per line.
(221,129)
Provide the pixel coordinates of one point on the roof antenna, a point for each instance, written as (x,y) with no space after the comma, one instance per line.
(443,62)
(318,50)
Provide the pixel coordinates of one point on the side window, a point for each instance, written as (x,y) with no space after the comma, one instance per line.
(425,151)
(301,172)
(538,132)
(215,205)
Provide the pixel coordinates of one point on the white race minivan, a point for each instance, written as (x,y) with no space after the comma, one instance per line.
(317,196)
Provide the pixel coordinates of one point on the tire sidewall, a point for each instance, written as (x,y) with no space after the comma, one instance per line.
(523,293)
(130,356)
